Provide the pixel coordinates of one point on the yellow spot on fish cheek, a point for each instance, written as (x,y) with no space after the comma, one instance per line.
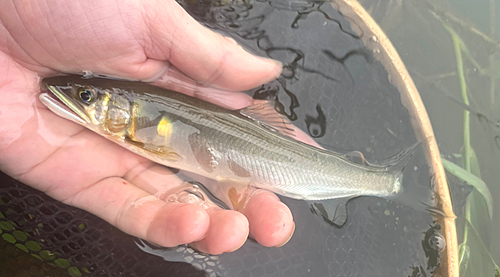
(117,121)
(164,128)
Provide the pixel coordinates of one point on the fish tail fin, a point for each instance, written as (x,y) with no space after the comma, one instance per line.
(334,211)
(398,163)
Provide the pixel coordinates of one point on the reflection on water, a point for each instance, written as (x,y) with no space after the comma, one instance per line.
(333,89)
(422,32)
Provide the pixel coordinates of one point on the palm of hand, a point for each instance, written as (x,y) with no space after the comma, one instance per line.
(80,168)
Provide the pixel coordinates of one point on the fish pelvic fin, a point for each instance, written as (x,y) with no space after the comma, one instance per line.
(162,151)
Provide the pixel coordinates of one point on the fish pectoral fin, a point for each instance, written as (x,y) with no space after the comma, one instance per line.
(263,112)
(162,151)
(333,211)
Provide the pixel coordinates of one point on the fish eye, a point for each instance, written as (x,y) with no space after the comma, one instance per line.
(87,95)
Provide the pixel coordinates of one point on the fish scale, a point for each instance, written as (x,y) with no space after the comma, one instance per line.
(184,132)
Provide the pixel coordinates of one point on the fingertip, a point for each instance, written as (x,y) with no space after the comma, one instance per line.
(205,56)
(242,71)
(177,224)
(271,221)
(228,232)
(148,71)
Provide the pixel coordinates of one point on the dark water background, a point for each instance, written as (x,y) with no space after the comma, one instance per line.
(427,50)
(332,88)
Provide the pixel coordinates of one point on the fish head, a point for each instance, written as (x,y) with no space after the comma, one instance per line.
(88,102)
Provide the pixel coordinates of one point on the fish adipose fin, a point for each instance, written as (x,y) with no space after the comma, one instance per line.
(398,162)
(333,211)
(264,113)
(357,157)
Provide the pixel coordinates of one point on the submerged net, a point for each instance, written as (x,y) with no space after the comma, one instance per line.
(333,89)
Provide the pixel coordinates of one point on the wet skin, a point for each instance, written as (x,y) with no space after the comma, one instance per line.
(145,40)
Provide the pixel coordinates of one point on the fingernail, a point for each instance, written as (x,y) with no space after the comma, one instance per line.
(290,237)
(244,221)
(276,68)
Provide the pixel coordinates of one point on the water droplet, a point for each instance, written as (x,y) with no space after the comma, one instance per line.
(87,74)
(213,163)
(437,242)
(172,198)
(188,198)
(316,126)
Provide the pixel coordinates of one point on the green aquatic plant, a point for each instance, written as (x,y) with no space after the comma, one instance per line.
(14,234)
(474,256)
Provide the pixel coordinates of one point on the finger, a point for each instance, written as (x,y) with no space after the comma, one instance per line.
(201,54)
(175,80)
(140,214)
(271,221)
(153,178)
(228,231)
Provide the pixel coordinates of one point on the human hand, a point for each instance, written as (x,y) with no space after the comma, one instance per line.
(154,40)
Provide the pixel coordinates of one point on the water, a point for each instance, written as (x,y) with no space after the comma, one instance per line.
(333,89)
(427,50)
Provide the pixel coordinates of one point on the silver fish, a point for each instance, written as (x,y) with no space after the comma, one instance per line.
(254,145)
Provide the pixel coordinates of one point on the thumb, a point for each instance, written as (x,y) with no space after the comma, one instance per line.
(199,53)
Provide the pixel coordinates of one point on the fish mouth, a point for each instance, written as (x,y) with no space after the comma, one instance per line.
(64,106)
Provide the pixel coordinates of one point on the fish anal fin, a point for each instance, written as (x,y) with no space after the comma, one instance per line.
(238,193)
(263,112)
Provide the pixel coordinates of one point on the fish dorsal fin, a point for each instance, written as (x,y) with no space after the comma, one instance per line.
(356,156)
(263,112)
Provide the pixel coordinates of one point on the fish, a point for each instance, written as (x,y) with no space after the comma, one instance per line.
(252,146)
